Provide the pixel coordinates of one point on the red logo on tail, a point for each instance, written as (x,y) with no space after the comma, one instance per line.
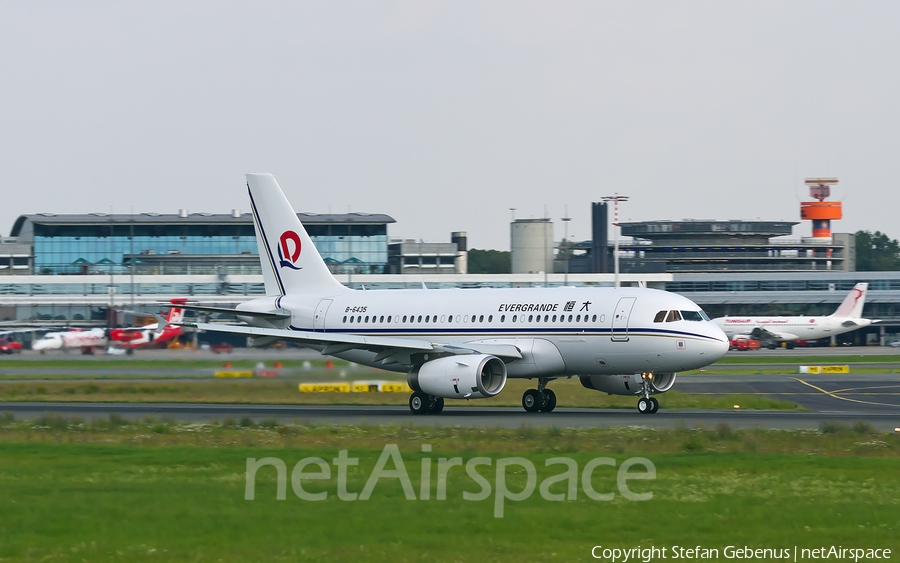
(286,257)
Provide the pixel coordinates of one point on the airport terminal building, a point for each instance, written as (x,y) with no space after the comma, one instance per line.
(74,268)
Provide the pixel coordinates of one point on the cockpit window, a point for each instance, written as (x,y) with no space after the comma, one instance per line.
(704,315)
(673,316)
(691,315)
(660,317)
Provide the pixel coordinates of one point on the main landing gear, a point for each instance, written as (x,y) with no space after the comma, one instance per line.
(423,403)
(540,399)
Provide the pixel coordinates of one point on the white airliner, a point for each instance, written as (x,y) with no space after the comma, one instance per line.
(463,344)
(773,330)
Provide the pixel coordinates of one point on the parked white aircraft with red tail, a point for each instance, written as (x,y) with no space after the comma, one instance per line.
(87,341)
(771,331)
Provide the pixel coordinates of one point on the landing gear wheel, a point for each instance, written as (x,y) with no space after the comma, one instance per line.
(550,402)
(419,403)
(436,406)
(655,406)
(645,406)
(532,400)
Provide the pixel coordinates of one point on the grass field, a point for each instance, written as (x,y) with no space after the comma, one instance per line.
(569,393)
(752,357)
(158,491)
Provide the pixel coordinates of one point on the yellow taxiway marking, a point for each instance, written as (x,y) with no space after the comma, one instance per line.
(872,387)
(830,394)
(760,393)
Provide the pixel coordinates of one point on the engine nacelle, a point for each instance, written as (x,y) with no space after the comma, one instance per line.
(628,384)
(475,376)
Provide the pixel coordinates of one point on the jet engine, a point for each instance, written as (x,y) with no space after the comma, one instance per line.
(475,376)
(628,384)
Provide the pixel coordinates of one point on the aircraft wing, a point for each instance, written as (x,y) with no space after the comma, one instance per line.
(853,322)
(389,349)
(766,334)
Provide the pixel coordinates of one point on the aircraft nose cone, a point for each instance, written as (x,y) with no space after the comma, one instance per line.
(719,347)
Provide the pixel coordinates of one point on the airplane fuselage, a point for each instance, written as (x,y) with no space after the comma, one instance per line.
(561,331)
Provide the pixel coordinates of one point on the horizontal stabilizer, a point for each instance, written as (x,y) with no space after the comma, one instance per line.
(272,315)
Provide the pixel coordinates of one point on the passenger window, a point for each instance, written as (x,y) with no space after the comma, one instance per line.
(660,317)
(514,318)
(420,318)
(490,318)
(570,318)
(673,316)
(381,320)
(481,318)
(427,318)
(577,319)
(389,318)
(351,320)
(594,319)
(345,318)
(502,318)
(530,317)
(443,318)
(434,318)
(554,318)
(359,319)
(457,318)
(466,319)
(404,318)
(546,318)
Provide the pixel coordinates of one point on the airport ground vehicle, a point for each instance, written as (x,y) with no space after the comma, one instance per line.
(464,344)
(10,346)
(744,344)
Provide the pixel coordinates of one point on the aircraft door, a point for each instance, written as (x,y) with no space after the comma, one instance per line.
(620,319)
(321,310)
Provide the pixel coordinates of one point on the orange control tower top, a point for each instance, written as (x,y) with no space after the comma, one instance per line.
(821,212)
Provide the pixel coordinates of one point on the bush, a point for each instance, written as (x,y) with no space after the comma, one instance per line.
(832,427)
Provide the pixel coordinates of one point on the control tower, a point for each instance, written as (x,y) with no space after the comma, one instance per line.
(821,212)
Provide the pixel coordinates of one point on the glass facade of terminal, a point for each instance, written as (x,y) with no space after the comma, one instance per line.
(74,249)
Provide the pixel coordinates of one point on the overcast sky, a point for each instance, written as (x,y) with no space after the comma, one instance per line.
(446,114)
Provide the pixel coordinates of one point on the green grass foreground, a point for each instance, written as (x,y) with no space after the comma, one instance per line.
(159,491)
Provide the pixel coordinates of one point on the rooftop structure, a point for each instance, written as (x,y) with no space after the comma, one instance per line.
(151,242)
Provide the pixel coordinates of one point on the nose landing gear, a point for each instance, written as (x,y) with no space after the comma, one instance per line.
(647,404)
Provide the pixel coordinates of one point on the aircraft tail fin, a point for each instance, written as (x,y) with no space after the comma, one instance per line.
(852,306)
(289,260)
(176,313)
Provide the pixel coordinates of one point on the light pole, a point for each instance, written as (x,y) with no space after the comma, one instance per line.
(568,255)
(616,198)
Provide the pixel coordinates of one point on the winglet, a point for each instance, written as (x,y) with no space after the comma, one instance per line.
(161,323)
